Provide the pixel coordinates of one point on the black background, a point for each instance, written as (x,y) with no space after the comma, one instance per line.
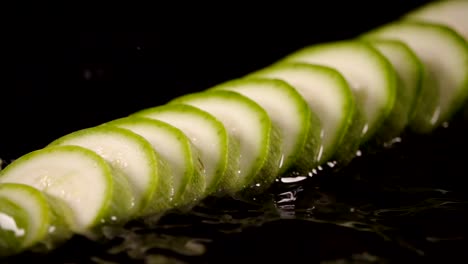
(76,69)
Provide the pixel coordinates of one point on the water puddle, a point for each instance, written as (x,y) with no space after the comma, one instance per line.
(404,203)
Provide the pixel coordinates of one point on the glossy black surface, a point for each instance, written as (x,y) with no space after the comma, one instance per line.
(402,204)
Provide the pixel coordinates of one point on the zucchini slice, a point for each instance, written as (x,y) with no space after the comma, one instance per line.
(251,126)
(329,97)
(180,155)
(444,55)
(28,218)
(409,71)
(370,75)
(131,158)
(207,134)
(451,13)
(299,128)
(79,178)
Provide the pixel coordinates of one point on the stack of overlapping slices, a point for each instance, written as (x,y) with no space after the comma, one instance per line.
(316,106)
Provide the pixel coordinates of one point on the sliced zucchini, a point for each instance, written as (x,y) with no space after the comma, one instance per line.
(451,13)
(299,128)
(180,155)
(79,178)
(409,72)
(131,157)
(328,96)
(206,133)
(28,218)
(370,75)
(444,55)
(250,125)
(14,225)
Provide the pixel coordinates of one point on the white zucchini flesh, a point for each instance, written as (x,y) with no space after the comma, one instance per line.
(328,96)
(131,157)
(206,133)
(369,74)
(79,178)
(451,13)
(299,128)
(444,55)
(409,70)
(251,126)
(180,156)
(28,219)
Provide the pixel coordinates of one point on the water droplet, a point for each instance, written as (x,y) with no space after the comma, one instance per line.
(287,197)
(195,247)
(319,155)
(436,115)
(442,191)
(9,223)
(281,161)
(392,142)
(365,128)
(52,229)
(293,179)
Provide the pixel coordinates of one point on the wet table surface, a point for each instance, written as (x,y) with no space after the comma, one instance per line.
(399,204)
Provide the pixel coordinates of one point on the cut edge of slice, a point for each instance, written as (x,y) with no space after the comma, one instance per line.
(409,71)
